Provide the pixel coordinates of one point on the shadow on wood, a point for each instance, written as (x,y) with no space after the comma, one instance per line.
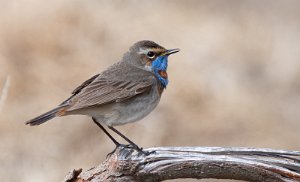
(249,164)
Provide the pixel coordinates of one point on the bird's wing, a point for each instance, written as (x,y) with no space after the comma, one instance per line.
(103,90)
(84,84)
(78,90)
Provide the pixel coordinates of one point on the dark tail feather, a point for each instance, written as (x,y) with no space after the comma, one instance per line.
(47,116)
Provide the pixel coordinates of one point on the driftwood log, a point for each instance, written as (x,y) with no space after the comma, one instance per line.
(163,163)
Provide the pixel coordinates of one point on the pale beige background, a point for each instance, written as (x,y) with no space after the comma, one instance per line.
(236,81)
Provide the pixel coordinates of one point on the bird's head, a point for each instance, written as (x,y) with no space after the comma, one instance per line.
(151,57)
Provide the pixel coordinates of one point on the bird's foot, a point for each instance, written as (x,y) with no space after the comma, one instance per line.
(118,145)
(146,153)
(142,152)
(134,147)
(110,153)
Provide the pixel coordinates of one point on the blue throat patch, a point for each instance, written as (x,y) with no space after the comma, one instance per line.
(160,64)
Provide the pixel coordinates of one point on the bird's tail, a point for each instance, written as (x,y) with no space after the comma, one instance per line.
(59,111)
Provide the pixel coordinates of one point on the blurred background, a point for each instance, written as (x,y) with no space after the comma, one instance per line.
(236,81)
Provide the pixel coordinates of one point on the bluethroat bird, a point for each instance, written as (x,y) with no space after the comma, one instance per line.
(125,92)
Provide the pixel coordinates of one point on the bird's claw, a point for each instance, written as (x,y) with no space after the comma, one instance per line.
(129,146)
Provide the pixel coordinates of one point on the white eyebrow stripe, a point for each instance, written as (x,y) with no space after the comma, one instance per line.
(143,51)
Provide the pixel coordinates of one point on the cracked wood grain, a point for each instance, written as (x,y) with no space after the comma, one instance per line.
(249,164)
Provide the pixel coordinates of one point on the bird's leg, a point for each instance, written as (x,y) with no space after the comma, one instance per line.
(125,138)
(120,134)
(140,150)
(106,132)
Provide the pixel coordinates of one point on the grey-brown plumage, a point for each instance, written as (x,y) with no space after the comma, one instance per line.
(125,92)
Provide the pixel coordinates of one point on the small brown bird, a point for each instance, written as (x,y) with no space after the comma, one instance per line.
(125,92)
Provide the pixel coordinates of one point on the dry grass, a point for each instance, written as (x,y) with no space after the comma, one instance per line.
(4,92)
(235,82)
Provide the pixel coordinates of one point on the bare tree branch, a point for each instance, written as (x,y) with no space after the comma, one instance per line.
(249,164)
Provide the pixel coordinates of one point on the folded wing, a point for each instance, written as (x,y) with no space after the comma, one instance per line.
(106,90)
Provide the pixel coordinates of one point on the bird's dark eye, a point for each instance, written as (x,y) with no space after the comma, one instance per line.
(151,54)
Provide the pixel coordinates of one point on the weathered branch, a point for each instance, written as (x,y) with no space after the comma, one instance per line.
(164,163)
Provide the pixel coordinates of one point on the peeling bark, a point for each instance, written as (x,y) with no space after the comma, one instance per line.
(249,164)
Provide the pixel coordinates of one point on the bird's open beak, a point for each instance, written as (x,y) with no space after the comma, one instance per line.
(171,51)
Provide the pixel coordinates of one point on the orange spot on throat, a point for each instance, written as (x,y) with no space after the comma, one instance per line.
(163,74)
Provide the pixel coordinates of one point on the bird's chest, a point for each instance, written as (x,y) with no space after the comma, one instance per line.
(136,108)
(162,77)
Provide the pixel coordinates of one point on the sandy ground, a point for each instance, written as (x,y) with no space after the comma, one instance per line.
(236,81)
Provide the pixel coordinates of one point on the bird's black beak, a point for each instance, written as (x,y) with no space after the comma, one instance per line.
(171,51)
